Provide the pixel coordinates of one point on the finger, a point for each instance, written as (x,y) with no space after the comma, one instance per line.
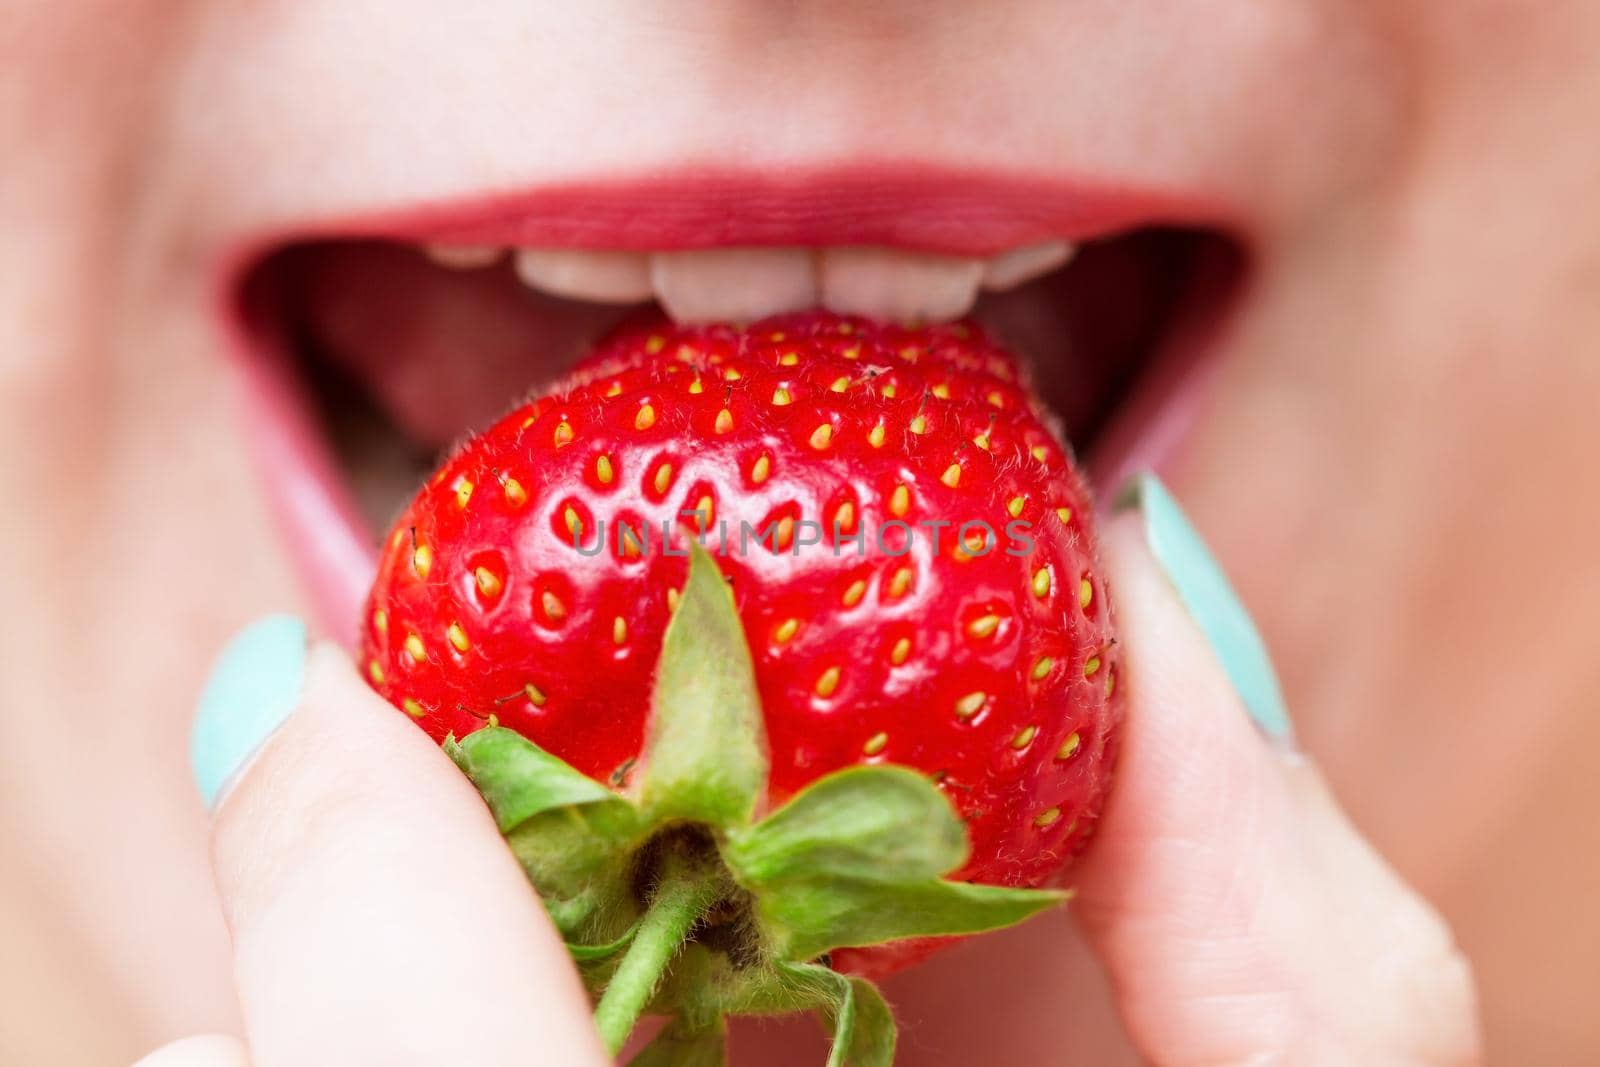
(1238,913)
(377,916)
(207,1050)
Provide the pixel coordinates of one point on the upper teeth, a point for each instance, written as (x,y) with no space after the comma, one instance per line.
(900,286)
(740,284)
(604,277)
(1011,268)
(733,283)
(463,257)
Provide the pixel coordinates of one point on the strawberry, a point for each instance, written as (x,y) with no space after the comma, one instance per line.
(777,653)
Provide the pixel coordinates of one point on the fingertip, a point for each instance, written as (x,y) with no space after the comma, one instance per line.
(360,874)
(1210,601)
(254,685)
(1195,774)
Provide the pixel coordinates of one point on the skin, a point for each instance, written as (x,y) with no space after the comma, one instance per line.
(1394,466)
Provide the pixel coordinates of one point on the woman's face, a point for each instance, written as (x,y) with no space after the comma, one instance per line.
(1367,363)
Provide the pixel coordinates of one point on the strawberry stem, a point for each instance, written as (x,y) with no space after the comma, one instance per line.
(681,896)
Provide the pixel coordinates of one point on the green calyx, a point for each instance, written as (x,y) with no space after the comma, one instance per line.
(677,901)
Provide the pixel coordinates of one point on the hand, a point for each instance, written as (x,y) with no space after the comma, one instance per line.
(1235,913)
(1238,914)
(1227,912)
(377,916)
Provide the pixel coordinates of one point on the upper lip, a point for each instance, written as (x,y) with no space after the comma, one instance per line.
(928,207)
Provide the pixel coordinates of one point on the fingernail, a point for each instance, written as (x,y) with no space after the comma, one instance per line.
(1210,600)
(254,685)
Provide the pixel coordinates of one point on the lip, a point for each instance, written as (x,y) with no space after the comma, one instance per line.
(922,207)
(919,207)
(925,206)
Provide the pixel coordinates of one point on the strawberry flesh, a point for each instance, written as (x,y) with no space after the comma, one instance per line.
(515,587)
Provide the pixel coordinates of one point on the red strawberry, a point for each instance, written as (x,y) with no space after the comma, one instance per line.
(917,586)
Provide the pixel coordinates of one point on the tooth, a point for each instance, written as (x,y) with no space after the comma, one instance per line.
(587,274)
(902,286)
(1011,268)
(734,284)
(462,257)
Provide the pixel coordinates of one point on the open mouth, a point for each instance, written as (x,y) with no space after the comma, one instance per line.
(371,349)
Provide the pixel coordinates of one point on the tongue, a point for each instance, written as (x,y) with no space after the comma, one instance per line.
(441,350)
(1086,330)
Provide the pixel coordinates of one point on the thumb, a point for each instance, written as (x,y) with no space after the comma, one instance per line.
(1239,915)
(376,914)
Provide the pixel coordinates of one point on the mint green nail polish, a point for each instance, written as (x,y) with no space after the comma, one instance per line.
(1211,602)
(254,685)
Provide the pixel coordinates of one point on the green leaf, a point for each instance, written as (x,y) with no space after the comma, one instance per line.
(678,1046)
(587,953)
(571,834)
(809,916)
(855,860)
(844,1022)
(578,861)
(873,1040)
(873,823)
(519,780)
(863,1028)
(705,759)
(571,914)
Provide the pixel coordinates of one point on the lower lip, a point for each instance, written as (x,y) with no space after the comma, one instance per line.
(332,546)
(328,540)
